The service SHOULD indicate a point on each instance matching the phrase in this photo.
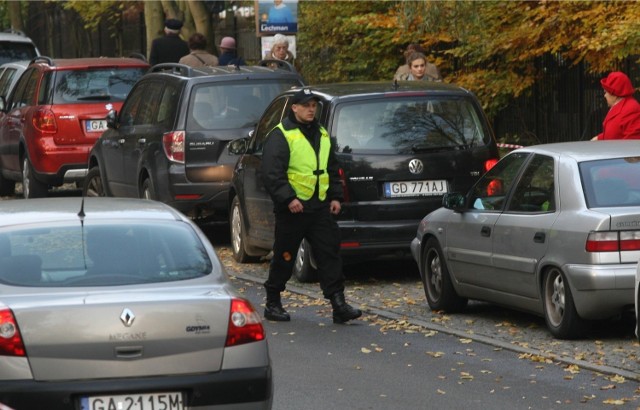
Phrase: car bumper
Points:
(250, 388)
(376, 238)
(602, 291)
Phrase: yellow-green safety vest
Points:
(303, 169)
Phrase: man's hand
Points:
(295, 206)
(335, 207)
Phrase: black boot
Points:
(274, 310)
(342, 311)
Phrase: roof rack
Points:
(139, 56)
(44, 59)
(14, 31)
(281, 64)
(175, 68)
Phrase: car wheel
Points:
(238, 236)
(31, 187)
(7, 187)
(303, 268)
(559, 310)
(93, 183)
(147, 191)
(437, 282)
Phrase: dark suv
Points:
(169, 141)
(53, 116)
(401, 147)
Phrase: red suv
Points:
(53, 116)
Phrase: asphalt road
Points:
(392, 292)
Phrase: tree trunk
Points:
(15, 15)
(154, 22)
(202, 21)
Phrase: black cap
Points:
(173, 24)
(303, 96)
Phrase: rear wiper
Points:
(95, 98)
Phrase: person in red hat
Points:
(623, 119)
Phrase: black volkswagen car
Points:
(401, 146)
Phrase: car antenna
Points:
(395, 84)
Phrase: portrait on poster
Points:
(276, 16)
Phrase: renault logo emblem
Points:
(415, 166)
(127, 317)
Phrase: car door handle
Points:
(539, 237)
(142, 141)
(121, 141)
(485, 231)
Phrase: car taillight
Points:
(245, 325)
(488, 164)
(343, 182)
(613, 241)
(45, 121)
(10, 339)
(173, 143)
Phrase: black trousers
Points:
(321, 230)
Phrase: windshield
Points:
(11, 51)
(226, 105)
(101, 255)
(108, 84)
(410, 124)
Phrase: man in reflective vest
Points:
(301, 175)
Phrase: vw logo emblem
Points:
(415, 166)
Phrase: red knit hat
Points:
(618, 84)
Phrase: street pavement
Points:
(392, 293)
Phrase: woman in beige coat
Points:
(199, 57)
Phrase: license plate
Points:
(96, 125)
(415, 188)
(150, 401)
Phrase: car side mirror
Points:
(239, 146)
(454, 201)
(112, 119)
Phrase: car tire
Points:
(147, 191)
(304, 269)
(559, 310)
(238, 235)
(436, 280)
(7, 186)
(93, 184)
(31, 187)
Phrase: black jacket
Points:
(168, 49)
(275, 162)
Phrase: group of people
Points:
(171, 48)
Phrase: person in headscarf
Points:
(623, 119)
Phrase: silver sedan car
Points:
(552, 229)
(121, 304)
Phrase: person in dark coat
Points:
(300, 172)
(623, 119)
(228, 53)
(170, 48)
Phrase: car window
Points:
(147, 109)
(230, 105)
(101, 255)
(132, 105)
(5, 80)
(611, 182)
(492, 188)
(105, 84)
(534, 191)
(25, 89)
(408, 124)
(13, 51)
(167, 111)
(272, 117)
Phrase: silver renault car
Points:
(112, 303)
(552, 229)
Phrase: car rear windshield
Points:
(409, 124)
(611, 182)
(231, 105)
(104, 84)
(101, 255)
(14, 51)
